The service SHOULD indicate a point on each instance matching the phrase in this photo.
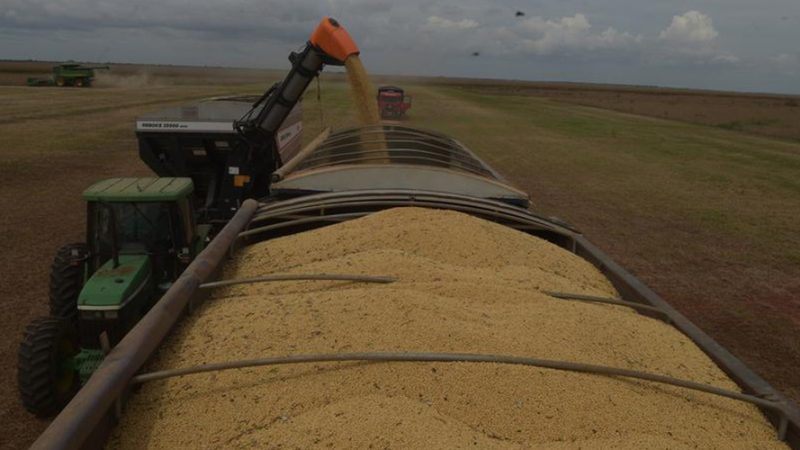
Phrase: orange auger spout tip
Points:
(333, 40)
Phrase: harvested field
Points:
(763, 114)
(704, 215)
(465, 285)
(15, 73)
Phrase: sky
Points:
(744, 45)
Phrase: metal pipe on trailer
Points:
(630, 288)
(82, 419)
(633, 290)
(80, 424)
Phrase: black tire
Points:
(60, 82)
(46, 377)
(66, 280)
(78, 82)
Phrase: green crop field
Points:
(705, 215)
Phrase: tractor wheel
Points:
(66, 280)
(78, 82)
(46, 376)
(60, 82)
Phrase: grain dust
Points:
(137, 80)
(465, 285)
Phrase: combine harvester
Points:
(65, 75)
(488, 325)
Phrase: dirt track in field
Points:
(738, 290)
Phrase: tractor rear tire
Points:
(66, 280)
(78, 82)
(60, 82)
(46, 376)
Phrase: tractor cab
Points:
(141, 216)
(141, 235)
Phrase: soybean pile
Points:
(464, 285)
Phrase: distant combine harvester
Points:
(76, 75)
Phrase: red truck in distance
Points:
(392, 102)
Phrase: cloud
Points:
(362, 6)
(572, 35)
(438, 23)
(784, 63)
(691, 28)
(690, 38)
(726, 58)
(554, 40)
(504, 36)
(271, 18)
(785, 60)
(437, 29)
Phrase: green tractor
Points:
(141, 234)
(68, 75)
